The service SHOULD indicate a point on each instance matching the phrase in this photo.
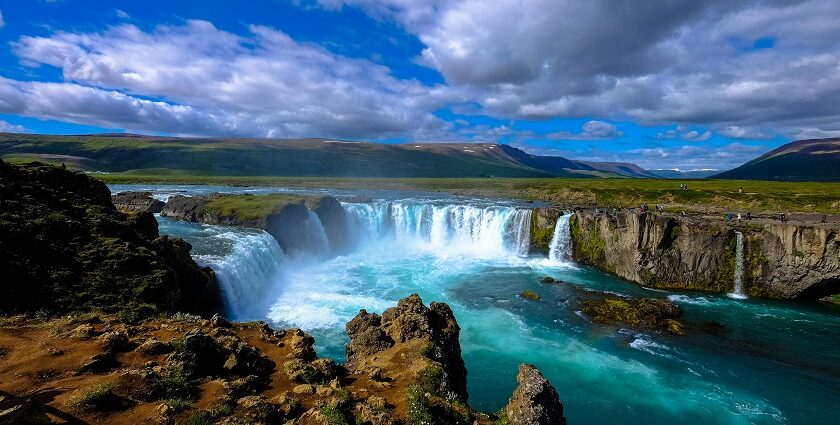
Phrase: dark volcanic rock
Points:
(187, 208)
(22, 412)
(535, 401)
(64, 247)
(137, 202)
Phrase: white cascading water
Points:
(561, 241)
(316, 236)
(444, 229)
(247, 272)
(739, 266)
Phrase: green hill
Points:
(803, 160)
(126, 153)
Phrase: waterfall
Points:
(561, 241)
(443, 229)
(739, 266)
(315, 236)
(247, 272)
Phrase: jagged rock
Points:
(534, 401)
(22, 412)
(204, 355)
(242, 387)
(116, 342)
(154, 347)
(136, 202)
(218, 321)
(259, 409)
(548, 279)
(411, 321)
(300, 345)
(65, 248)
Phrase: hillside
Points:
(802, 160)
(117, 153)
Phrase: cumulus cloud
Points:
(214, 82)
(657, 62)
(591, 130)
(6, 127)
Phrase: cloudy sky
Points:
(685, 84)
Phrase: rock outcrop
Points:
(542, 227)
(534, 401)
(64, 247)
(378, 344)
(645, 313)
(781, 260)
(137, 202)
(311, 224)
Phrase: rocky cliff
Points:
(403, 367)
(64, 247)
(542, 227)
(294, 221)
(780, 260)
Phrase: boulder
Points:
(641, 313)
(534, 401)
(137, 202)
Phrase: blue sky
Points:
(664, 84)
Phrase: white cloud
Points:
(656, 62)
(6, 127)
(215, 82)
(122, 14)
(591, 130)
(2, 21)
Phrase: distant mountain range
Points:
(299, 157)
(802, 160)
(683, 174)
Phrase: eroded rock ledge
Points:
(403, 367)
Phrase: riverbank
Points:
(702, 196)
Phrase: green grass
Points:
(97, 397)
(251, 207)
(703, 195)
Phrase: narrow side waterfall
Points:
(561, 241)
(444, 229)
(739, 266)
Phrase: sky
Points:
(681, 84)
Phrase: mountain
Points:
(680, 174)
(296, 157)
(802, 160)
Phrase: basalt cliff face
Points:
(64, 247)
(290, 220)
(780, 260)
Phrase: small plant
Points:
(224, 409)
(333, 416)
(178, 404)
(198, 419)
(430, 379)
(501, 417)
(97, 397)
(418, 407)
(173, 384)
(530, 295)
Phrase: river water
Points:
(743, 361)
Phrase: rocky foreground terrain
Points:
(404, 366)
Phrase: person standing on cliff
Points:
(739, 217)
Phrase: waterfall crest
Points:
(444, 229)
(561, 241)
